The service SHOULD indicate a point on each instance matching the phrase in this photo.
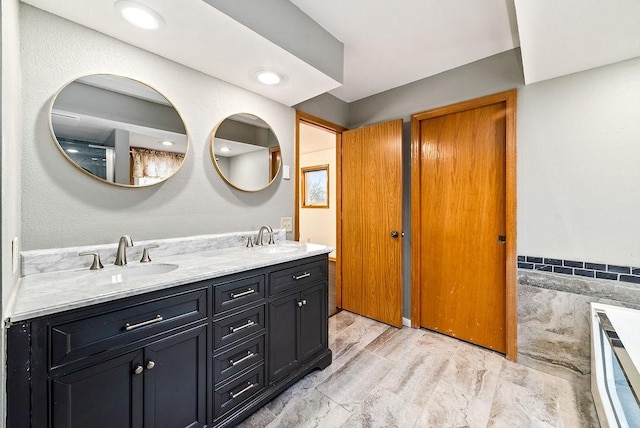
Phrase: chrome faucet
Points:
(121, 253)
(261, 232)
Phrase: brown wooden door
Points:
(462, 216)
(371, 211)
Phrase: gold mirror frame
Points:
(273, 151)
(145, 93)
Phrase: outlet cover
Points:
(286, 223)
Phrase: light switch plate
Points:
(285, 172)
(15, 254)
(286, 223)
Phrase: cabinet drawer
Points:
(73, 340)
(287, 279)
(237, 293)
(237, 392)
(233, 361)
(238, 326)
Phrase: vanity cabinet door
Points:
(175, 380)
(283, 336)
(313, 316)
(105, 395)
(297, 329)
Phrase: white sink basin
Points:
(278, 249)
(119, 275)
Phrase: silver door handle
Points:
(150, 365)
(138, 370)
(304, 275)
(244, 293)
(248, 324)
(245, 358)
(129, 327)
(242, 391)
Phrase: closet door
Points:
(372, 221)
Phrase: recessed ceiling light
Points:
(167, 143)
(225, 149)
(72, 151)
(138, 14)
(268, 77)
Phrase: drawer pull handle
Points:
(245, 358)
(244, 293)
(248, 324)
(304, 275)
(242, 391)
(129, 327)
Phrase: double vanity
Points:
(187, 340)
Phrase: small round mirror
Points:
(246, 152)
(118, 130)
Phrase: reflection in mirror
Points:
(118, 130)
(246, 152)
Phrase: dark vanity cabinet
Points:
(204, 354)
(298, 305)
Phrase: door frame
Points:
(308, 119)
(509, 98)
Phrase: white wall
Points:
(579, 166)
(62, 207)
(11, 140)
(10, 143)
(318, 225)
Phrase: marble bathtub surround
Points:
(432, 381)
(585, 269)
(57, 259)
(48, 293)
(554, 333)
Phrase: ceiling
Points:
(386, 44)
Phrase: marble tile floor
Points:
(387, 377)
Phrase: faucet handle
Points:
(96, 264)
(145, 254)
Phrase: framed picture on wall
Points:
(315, 186)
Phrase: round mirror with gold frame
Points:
(118, 130)
(246, 152)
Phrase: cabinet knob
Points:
(304, 301)
(150, 365)
(300, 304)
(138, 369)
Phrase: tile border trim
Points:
(628, 274)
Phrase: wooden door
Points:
(371, 227)
(463, 223)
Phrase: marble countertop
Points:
(49, 293)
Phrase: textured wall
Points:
(578, 175)
(62, 207)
